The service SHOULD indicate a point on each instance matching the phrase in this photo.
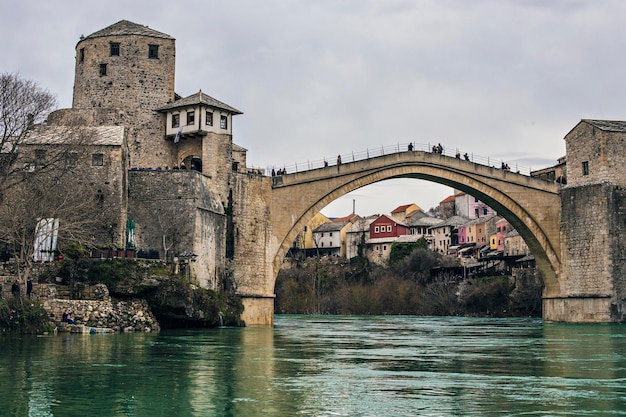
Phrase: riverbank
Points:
(333, 285)
(121, 295)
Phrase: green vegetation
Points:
(335, 286)
(23, 316)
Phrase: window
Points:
(97, 159)
(376, 229)
(485, 211)
(331, 234)
(99, 197)
(209, 118)
(153, 51)
(40, 156)
(191, 117)
(175, 120)
(585, 167)
(115, 49)
(384, 247)
(103, 70)
(72, 159)
(389, 228)
(81, 55)
(224, 122)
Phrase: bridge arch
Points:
(531, 205)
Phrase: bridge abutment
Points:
(578, 309)
(593, 222)
(258, 310)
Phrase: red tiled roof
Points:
(402, 208)
(344, 219)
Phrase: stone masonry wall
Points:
(252, 269)
(586, 224)
(134, 86)
(119, 316)
(181, 207)
(604, 152)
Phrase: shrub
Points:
(23, 317)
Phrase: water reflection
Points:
(321, 366)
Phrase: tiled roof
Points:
(345, 218)
(393, 220)
(59, 135)
(425, 221)
(125, 27)
(237, 148)
(400, 209)
(447, 199)
(329, 227)
(608, 125)
(453, 221)
(199, 98)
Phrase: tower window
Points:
(209, 118)
(585, 167)
(97, 159)
(40, 157)
(103, 70)
(115, 49)
(191, 117)
(153, 51)
(224, 122)
(81, 55)
(175, 120)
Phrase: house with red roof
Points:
(402, 212)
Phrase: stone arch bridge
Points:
(531, 205)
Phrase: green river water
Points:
(323, 366)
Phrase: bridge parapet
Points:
(401, 148)
(412, 157)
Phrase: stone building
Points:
(161, 160)
(593, 209)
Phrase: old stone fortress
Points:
(159, 158)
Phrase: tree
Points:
(23, 103)
(69, 204)
(46, 193)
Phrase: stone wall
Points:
(180, 207)
(119, 316)
(602, 148)
(592, 224)
(134, 87)
(252, 263)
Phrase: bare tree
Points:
(166, 221)
(46, 191)
(31, 205)
(23, 103)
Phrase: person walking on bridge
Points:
(338, 160)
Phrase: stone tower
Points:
(593, 223)
(123, 73)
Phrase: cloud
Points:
(503, 79)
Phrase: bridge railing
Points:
(397, 148)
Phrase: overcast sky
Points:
(315, 78)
